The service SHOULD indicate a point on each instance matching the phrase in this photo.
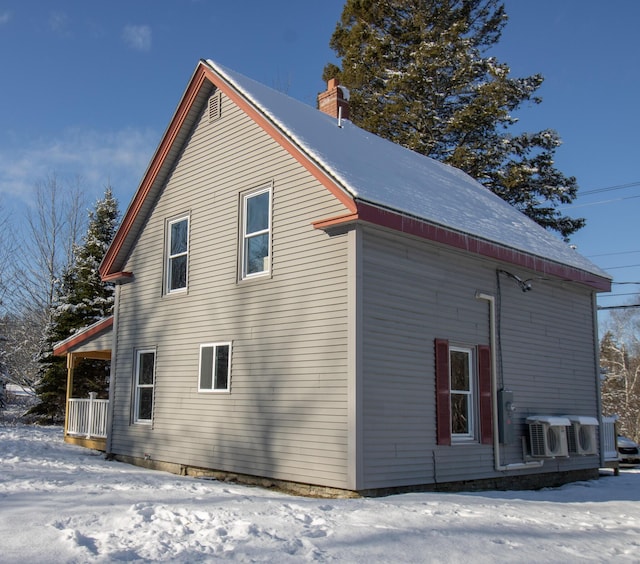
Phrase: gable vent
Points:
(214, 108)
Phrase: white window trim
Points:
(244, 237)
(136, 398)
(169, 256)
(471, 395)
(213, 390)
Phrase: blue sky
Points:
(88, 89)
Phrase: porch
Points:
(609, 446)
(85, 418)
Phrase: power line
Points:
(610, 188)
(615, 267)
(598, 203)
(612, 254)
(619, 307)
(616, 295)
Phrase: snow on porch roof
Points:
(382, 173)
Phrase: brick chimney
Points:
(333, 98)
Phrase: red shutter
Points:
(484, 385)
(443, 395)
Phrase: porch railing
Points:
(609, 449)
(88, 417)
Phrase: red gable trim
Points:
(334, 221)
(202, 73)
(118, 277)
(420, 228)
(152, 172)
(65, 346)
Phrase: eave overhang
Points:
(118, 277)
(396, 221)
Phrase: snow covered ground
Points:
(63, 503)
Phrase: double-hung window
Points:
(144, 383)
(256, 233)
(462, 377)
(177, 255)
(215, 367)
(463, 393)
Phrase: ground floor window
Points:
(462, 376)
(144, 384)
(463, 393)
(215, 367)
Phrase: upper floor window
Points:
(177, 253)
(256, 233)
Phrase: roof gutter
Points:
(397, 221)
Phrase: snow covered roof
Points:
(376, 171)
(378, 182)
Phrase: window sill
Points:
(464, 441)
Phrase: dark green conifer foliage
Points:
(419, 75)
(82, 300)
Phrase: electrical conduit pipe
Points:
(494, 392)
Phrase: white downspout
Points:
(494, 392)
(112, 369)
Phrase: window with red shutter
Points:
(485, 394)
(463, 393)
(443, 396)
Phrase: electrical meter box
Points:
(506, 413)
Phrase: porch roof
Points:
(85, 336)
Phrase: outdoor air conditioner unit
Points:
(548, 436)
(582, 435)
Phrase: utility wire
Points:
(615, 267)
(610, 188)
(612, 254)
(598, 203)
(600, 191)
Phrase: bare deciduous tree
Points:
(53, 226)
(5, 254)
(620, 358)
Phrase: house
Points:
(303, 302)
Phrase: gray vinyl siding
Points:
(286, 415)
(100, 342)
(414, 292)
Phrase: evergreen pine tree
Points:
(419, 74)
(82, 299)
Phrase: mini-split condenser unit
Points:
(582, 434)
(548, 436)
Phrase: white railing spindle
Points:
(88, 417)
